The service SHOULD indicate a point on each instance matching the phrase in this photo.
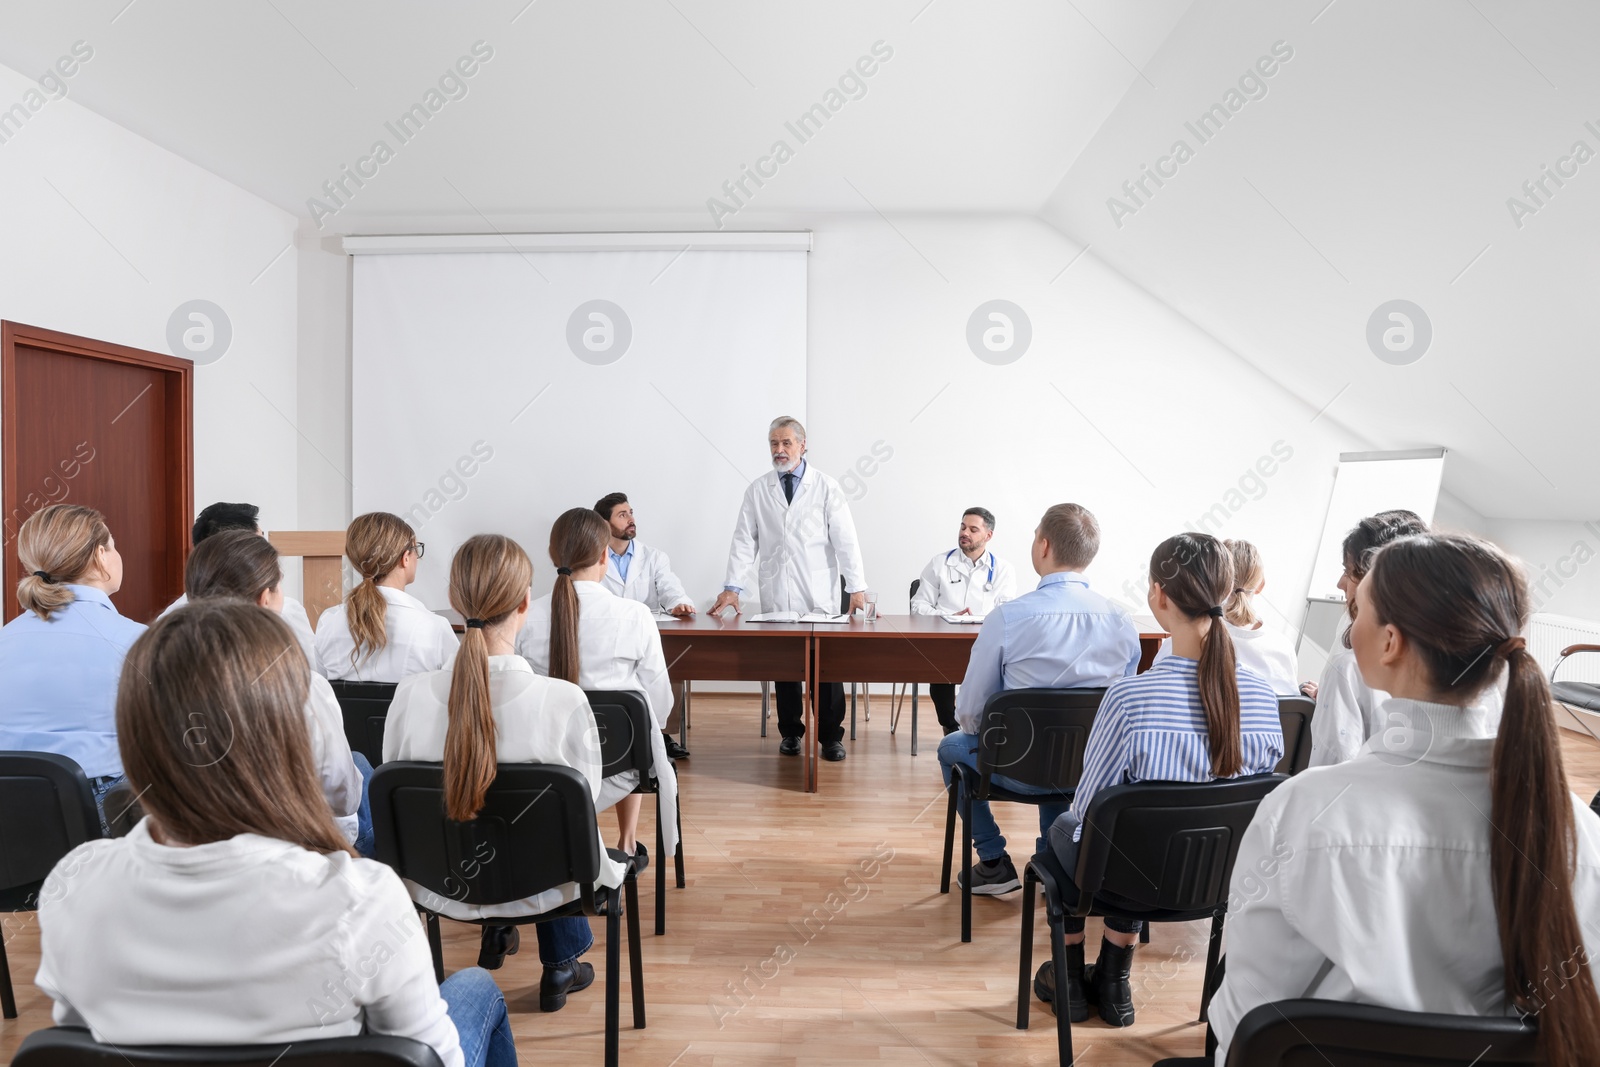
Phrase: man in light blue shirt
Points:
(1060, 636)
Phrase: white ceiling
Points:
(1376, 167)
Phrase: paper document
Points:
(795, 616)
(661, 616)
(964, 620)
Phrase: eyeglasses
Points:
(419, 548)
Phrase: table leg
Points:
(814, 648)
(913, 720)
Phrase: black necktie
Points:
(788, 486)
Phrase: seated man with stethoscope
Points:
(967, 580)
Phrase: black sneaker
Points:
(994, 878)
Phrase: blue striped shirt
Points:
(1152, 728)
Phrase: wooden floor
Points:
(812, 929)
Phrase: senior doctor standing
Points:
(794, 526)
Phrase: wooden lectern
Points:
(323, 581)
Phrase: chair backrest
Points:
(365, 706)
(74, 1047)
(916, 583)
(1295, 714)
(1036, 736)
(536, 832)
(46, 810)
(1320, 1033)
(625, 725)
(1167, 845)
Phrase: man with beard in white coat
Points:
(638, 572)
(795, 528)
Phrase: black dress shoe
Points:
(559, 981)
(674, 750)
(833, 753)
(789, 746)
(497, 943)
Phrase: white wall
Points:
(107, 234)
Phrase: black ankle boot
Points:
(496, 943)
(1108, 986)
(1044, 985)
(557, 982)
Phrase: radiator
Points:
(1548, 634)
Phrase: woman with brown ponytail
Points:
(381, 633)
(585, 634)
(1194, 717)
(490, 708)
(1445, 868)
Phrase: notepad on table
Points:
(795, 616)
(964, 620)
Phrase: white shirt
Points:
(1347, 710)
(537, 720)
(1369, 882)
(619, 649)
(1262, 651)
(330, 751)
(952, 583)
(419, 641)
(650, 580)
(293, 612)
(799, 549)
(241, 942)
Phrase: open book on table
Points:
(795, 616)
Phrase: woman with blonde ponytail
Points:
(381, 633)
(585, 634)
(489, 708)
(60, 659)
(1446, 867)
(1196, 716)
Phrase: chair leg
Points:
(613, 980)
(1058, 957)
(966, 866)
(436, 947)
(661, 872)
(8, 997)
(1025, 954)
(1212, 952)
(763, 709)
(1144, 934)
(635, 955)
(894, 707)
(866, 701)
(949, 834)
(683, 714)
(677, 856)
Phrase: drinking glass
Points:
(872, 607)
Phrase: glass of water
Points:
(872, 607)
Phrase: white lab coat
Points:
(952, 583)
(1368, 882)
(418, 641)
(330, 751)
(619, 649)
(294, 613)
(799, 549)
(650, 580)
(1263, 651)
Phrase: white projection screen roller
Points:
(1367, 483)
(492, 391)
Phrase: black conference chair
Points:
(1152, 851)
(71, 1046)
(1295, 714)
(46, 810)
(502, 856)
(1584, 696)
(1032, 736)
(625, 725)
(1329, 1033)
(365, 706)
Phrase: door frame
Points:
(180, 393)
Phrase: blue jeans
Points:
(100, 787)
(563, 940)
(364, 842)
(987, 840)
(478, 1009)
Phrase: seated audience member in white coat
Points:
(1447, 868)
(635, 571)
(221, 516)
(240, 915)
(1256, 646)
(381, 633)
(967, 580)
(490, 708)
(245, 567)
(583, 634)
(1348, 710)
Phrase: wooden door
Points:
(107, 426)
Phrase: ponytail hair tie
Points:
(45, 577)
(564, 570)
(1215, 612)
(474, 624)
(1511, 644)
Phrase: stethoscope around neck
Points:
(988, 586)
